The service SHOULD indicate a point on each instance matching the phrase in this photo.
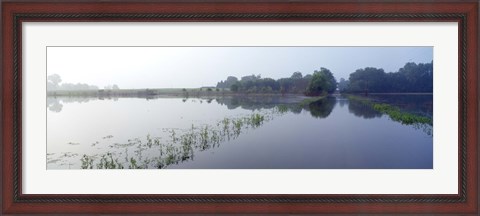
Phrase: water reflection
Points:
(257, 102)
(183, 143)
(179, 145)
(342, 101)
(55, 104)
(231, 102)
(421, 104)
(322, 108)
(363, 110)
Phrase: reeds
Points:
(394, 113)
(181, 144)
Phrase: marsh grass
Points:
(282, 108)
(87, 162)
(108, 162)
(396, 114)
(403, 117)
(181, 145)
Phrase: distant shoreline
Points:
(190, 92)
(164, 92)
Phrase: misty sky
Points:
(190, 67)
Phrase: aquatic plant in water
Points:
(282, 108)
(108, 162)
(87, 162)
(402, 117)
(181, 144)
(417, 121)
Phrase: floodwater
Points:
(235, 133)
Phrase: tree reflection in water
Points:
(363, 110)
(322, 108)
(181, 144)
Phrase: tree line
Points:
(410, 78)
(54, 83)
(321, 82)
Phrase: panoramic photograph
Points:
(239, 107)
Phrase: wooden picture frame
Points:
(14, 13)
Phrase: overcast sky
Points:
(189, 67)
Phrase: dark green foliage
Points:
(235, 87)
(322, 82)
(367, 80)
(227, 83)
(411, 78)
(296, 84)
(297, 75)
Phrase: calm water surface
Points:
(235, 132)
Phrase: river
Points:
(233, 132)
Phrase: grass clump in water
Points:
(402, 117)
(133, 164)
(107, 162)
(87, 162)
(282, 108)
(257, 119)
(394, 112)
(180, 146)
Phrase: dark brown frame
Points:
(16, 12)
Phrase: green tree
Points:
(368, 79)
(234, 87)
(53, 82)
(55, 79)
(297, 75)
(227, 83)
(343, 85)
(322, 82)
(410, 78)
